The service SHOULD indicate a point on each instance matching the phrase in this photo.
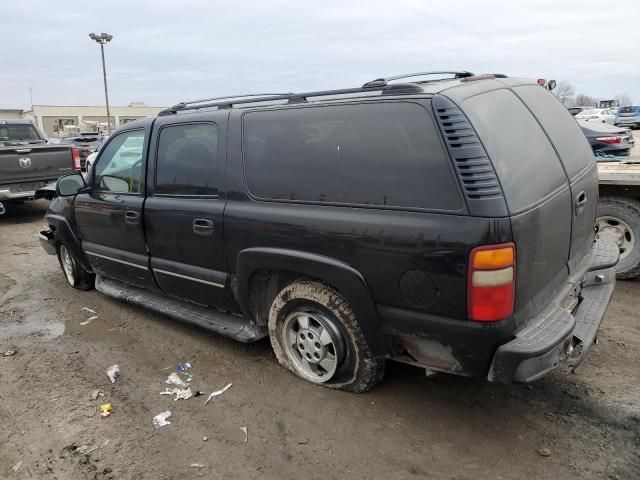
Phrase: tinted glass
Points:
(373, 154)
(525, 161)
(188, 160)
(120, 168)
(564, 131)
(629, 109)
(18, 132)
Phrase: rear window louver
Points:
(475, 171)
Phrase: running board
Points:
(236, 327)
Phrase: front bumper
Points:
(47, 241)
(558, 336)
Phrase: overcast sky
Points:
(166, 51)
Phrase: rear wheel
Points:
(76, 276)
(314, 334)
(620, 218)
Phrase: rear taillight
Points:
(609, 140)
(491, 282)
(75, 159)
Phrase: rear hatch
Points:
(628, 114)
(549, 178)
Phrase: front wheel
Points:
(76, 276)
(620, 217)
(314, 334)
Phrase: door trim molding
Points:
(116, 260)
(186, 277)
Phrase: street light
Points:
(103, 39)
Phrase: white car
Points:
(600, 115)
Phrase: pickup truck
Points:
(28, 161)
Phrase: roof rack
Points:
(381, 82)
(229, 101)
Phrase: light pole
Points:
(103, 39)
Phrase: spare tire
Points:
(620, 217)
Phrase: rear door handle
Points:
(131, 218)
(581, 201)
(203, 227)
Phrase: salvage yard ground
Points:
(585, 425)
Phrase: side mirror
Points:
(70, 185)
(551, 84)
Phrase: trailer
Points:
(619, 212)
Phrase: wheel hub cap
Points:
(618, 230)
(313, 344)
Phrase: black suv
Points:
(444, 223)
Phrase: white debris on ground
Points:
(218, 392)
(246, 434)
(160, 420)
(89, 320)
(112, 372)
(174, 379)
(180, 394)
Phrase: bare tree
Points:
(583, 100)
(565, 93)
(623, 99)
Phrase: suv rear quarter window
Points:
(525, 161)
(382, 154)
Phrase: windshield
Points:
(81, 140)
(18, 132)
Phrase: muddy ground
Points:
(585, 425)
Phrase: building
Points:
(10, 113)
(59, 120)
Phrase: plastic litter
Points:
(88, 310)
(105, 410)
(17, 466)
(89, 320)
(8, 353)
(174, 379)
(197, 465)
(218, 392)
(160, 420)
(246, 434)
(112, 372)
(180, 394)
(183, 367)
(204, 439)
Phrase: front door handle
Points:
(581, 201)
(131, 218)
(203, 227)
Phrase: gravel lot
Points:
(585, 425)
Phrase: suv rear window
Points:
(386, 154)
(564, 131)
(525, 161)
(628, 109)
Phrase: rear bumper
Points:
(20, 191)
(9, 195)
(558, 337)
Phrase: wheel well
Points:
(264, 285)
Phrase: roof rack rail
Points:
(229, 101)
(381, 82)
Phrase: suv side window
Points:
(187, 160)
(120, 168)
(383, 154)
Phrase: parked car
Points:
(607, 140)
(599, 115)
(28, 162)
(628, 117)
(576, 110)
(406, 221)
(86, 143)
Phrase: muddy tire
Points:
(621, 217)
(314, 334)
(75, 275)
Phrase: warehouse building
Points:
(59, 120)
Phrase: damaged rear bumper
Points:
(559, 337)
